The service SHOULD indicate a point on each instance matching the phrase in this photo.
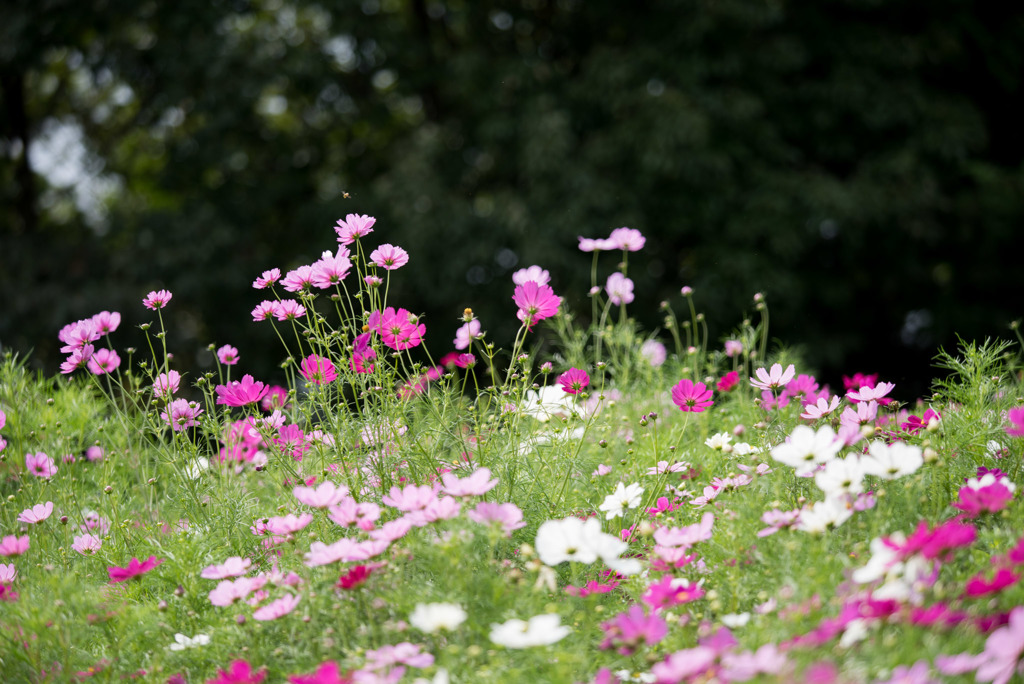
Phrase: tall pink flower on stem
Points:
(227, 355)
(627, 239)
(104, 361)
(40, 465)
(248, 391)
(318, 370)
(619, 289)
(36, 514)
(332, 268)
(267, 279)
(157, 299)
(166, 384)
(181, 414)
(389, 257)
(134, 568)
(289, 310)
(775, 379)
(574, 380)
(399, 329)
(277, 608)
(535, 302)
(465, 335)
(106, 322)
(354, 226)
(691, 397)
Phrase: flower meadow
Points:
(583, 503)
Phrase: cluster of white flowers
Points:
(572, 539)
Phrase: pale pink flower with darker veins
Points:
(40, 465)
(267, 279)
(324, 495)
(348, 512)
(265, 310)
(389, 257)
(104, 361)
(821, 408)
(13, 546)
(166, 384)
(534, 273)
(298, 279)
(870, 393)
(181, 414)
(77, 359)
(78, 335)
(627, 239)
(157, 299)
(227, 355)
(36, 514)
(8, 573)
(865, 412)
(289, 310)
(332, 268)
(508, 515)
(106, 322)
(354, 226)
(86, 544)
(774, 379)
(619, 289)
(278, 608)
(478, 483)
(410, 498)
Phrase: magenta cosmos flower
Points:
(134, 569)
(536, 302)
(40, 465)
(157, 299)
(389, 257)
(318, 370)
(691, 397)
(1016, 417)
(248, 391)
(239, 672)
(399, 329)
(574, 380)
(181, 414)
(104, 361)
(227, 355)
(353, 227)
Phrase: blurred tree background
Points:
(858, 161)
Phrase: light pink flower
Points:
(534, 273)
(104, 361)
(106, 322)
(157, 299)
(267, 279)
(654, 351)
(318, 370)
(298, 279)
(37, 513)
(353, 227)
(392, 530)
(13, 546)
(227, 355)
(465, 335)
(1003, 651)
(331, 269)
(476, 484)
(870, 393)
(508, 515)
(232, 567)
(265, 310)
(619, 289)
(288, 524)
(686, 536)
(628, 239)
(8, 573)
(596, 244)
(733, 347)
(326, 494)
(166, 384)
(349, 512)
(389, 257)
(821, 408)
(40, 465)
(78, 358)
(3, 419)
(278, 608)
(774, 379)
(289, 310)
(410, 498)
(86, 544)
(404, 653)
(227, 591)
(181, 414)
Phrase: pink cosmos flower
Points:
(508, 515)
(241, 393)
(389, 257)
(1016, 418)
(133, 569)
(181, 414)
(166, 384)
(399, 330)
(298, 279)
(157, 299)
(277, 398)
(980, 585)
(373, 281)
(103, 361)
(574, 380)
(685, 536)
(478, 483)
(94, 453)
(870, 393)
(318, 370)
(534, 273)
(410, 498)
(349, 512)
(619, 289)
(465, 335)
(86, 544)
(733, 347)
(288, 524)
(3, 419)
(356, 576)
(278, 608)
(1003, 651)
(691, 397)
(327, 673)
(227, 355)
(596, 244)
(40, 465)
(728, 382)
(289, 310)
(36, 514)
(228, 591)
(535, 302)
(326, 494)
(267, 279)
(802, 388)
(354, 227)
(8, 573)
(234, 566)
(986, 495)
(822, 407)
(671, 591)
(106, 322)
(331, 269)
(77, 359)
(774, 379)
(13, 546)
(265, 310)
(654, 351)
(239, 672)
(627, 632)
(627, 239)
(404, 653)
(778, 520)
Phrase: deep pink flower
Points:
(399, 329)
(157, 299)
(619, 289)
(934, 543)
(327, 673)
(181, 414)
(670, 591)
(298, 279)
(389, 257)
(628, 239)
(979, 585)
(37, 513)
(77, 359)
(728, 381)
(363, 354)
(3, 419)
(265, 310)
(106, 322)
(535, 302)
(1016, 418)
(166, 384)
(227, 355)
(241, 393)
(133, 569)
(267, 279)
(628, 631)
(40, 465)
(353, 227)
(802, 388)
(691, 397)
(332, 268)
(12, 545)
(318, 370)
(991, 496)
(915, 424)
(574, 380)
(239, 672)
(289, 310)
(104, 361)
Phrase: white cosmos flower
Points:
(824, 515)
(546, 403)
(806, 448)
(181, 642)
(718, 441)
(572, 539)
(196, 468)
(622, 498)
(841, 476)
(431, 617)
(890, 461)
(540, 630)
